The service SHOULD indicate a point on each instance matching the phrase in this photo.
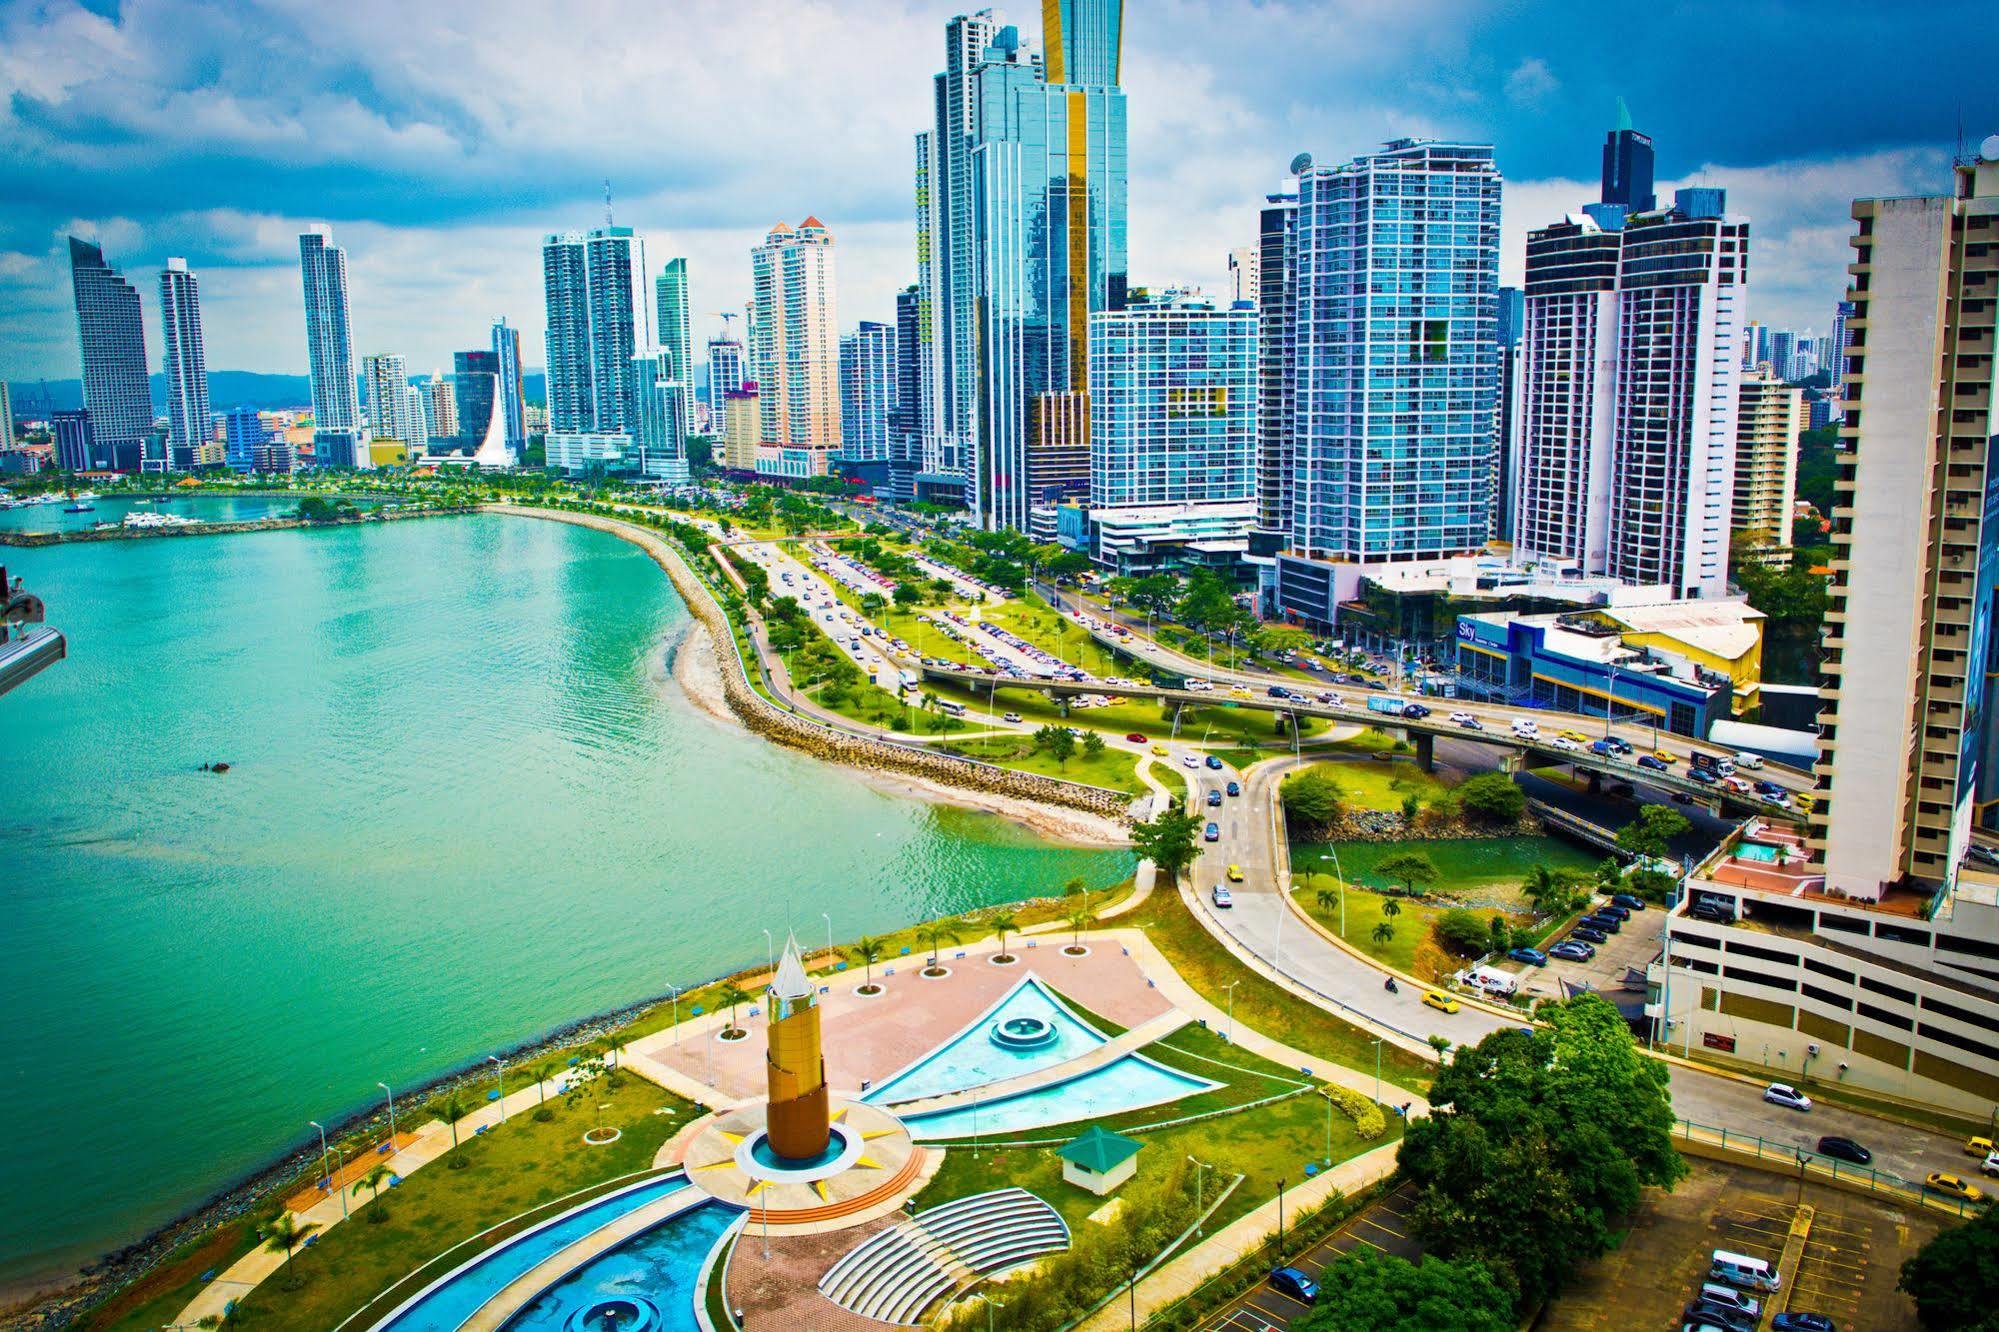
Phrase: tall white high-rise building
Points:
(417, 404)
(868, 374)
(388, 383)
(598, 318)
(663, 405)
(1246, 273)
(184, 365)
(1631, 371)
(329, 346)
(794, 346)
(728, 369)
(442, 416)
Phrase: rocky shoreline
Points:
(121, 533)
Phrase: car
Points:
(1213, 833)
(1802, 1321)
(1778, 1093)
(1134, 738)
(1702, 1326)
(1563, 742)
(1990, 1165)
(1572, 950)
(1443, 1003)
(1979, 1147)
(1576, 736)
(1533, 957)
(1278, 691)
(1189, 761)
(1608, 924)
(1223, 897)
(1705, 776)
(1617, 746)
(1469, 722)
(1628, 902)
(1844, 1149)
(1707, 1311)
(1952, 1186)
(1159, 751)
(1772, 791)
(1589, 934)
(1668, 759)
(1617, 911)
(1415, 711)
(1290, 1281)
(1234, 788)
(1214, 763)
(1214, 797)
(1710, 913)
(1983, 854)
(1235, 874)
(1010, 716)
(1650, 763)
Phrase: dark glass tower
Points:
(1627, 166)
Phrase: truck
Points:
(1383, 704)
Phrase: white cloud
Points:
(1532, 82)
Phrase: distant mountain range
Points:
(226, 389)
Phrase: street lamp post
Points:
(770, 951)
(1280, 1218)
(1199, 1166)
(325, 1163)
(1328, 1094)
(1230, 987)
(390, 1097)
(674, 992)
(500, 1082)
(827, 916)
(1377, 1070)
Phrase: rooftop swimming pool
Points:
(650, 1283)
(1131, 1082)
(1757, 851)
(1029, 1029)
(450, 1300)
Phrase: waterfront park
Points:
(1087, 1108)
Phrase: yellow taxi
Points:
(1951, 1186)
(1978, 1147)
(1159, 750)
(1665, 758)
(1576, 736)
(1443, 1003)
(1235, 874)
(1240, 693)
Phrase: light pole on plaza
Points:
(827, 916)
(390, 1097)
(500, 1080)
(770, 951)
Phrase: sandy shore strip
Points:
(699, 674)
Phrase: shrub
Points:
(1369, 1122)
(1462, 932)
(1493, 797)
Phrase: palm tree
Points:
(1327, 899)
(868, 950)
(732, 994)
(377, 1175)
(539, 1072)
(286, 1232)
(1002, 924)
(451, 1111)
(937, 933)
(1390, 907)
(1383, 932)
(1079, 915)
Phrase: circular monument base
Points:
(870, 1160)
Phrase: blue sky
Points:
(441, 141)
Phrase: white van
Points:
(1499, 984)
(1739, 1269)
(1525, 726)
(1748, 760)
(1729, 1297)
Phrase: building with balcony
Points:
(1769, 417)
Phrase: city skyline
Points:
(1212, 122)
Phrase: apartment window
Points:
(1892, 991)
(1979, 1048)
(1886, 1018)
(1952, 943)
(1844, 924)
(1760, 978)
(1842, 1002)
(1767, 954)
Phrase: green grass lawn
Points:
(1261, 1004)
(1384, 784)
(1475, 866)
(521, 1165)
(1034, 620)
(1409, 948)
(1114, 768)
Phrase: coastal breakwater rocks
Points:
(765, 718)
(193, 529)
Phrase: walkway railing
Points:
(1813, 1164)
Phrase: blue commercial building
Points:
(75, 442)
(1396, 297)
(111, 335)
(242, 432)
(1579, 662)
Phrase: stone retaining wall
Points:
(775, 723)
(197, 529)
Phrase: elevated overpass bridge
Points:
(1495, 731)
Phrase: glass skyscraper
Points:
(868, 387)
(190, 430)
(1627, 166)
(475, 379)
(513, 401)
(1396, 271)
(597, 320)
(329, 346)
(111, 334)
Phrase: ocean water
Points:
(466, 804)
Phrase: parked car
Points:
(1628, 901)
(1651, 763)
(1533, 957)
(1990, 1165)
(1213, 833)
(1443, 1003)
(1778, 1093)
(1952, 1186)
(1802, 1321)
(1710, 913)
(1290, 1281)
(1983, 854)
(1572, 950)
(1223, 897)
(1617, 911)
(1844, 1149)
(1719, 1315)
(1214, 763)
(1589, 934)
(1608, 924)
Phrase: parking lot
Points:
(1632, 947)
(1380, 1227)
(1852, 1256)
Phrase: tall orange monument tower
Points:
(799, 1118)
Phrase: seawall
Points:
(201, 529)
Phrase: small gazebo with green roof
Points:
(1099, 1160)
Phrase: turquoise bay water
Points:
(207, 508)
(466, 805)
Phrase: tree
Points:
(1550, 890)
(1168, 841)
(1651, 832)
(1390, 908)
(1074, 885)
(906, 595)
(378, 1174)
(1067, 566)
(1537, 1144)
(1059, 741)
(1002, 924)
(937, 933)
(1409, 868)
(539, 1071)
(1492, 797)
(732, 995)
(1276, 638)
(1312, 799)
(1093, 746)
(1462, 932)
(867, 950)
(1368, 1291)
(452, 1109)
(1382, 932)
(1651, 884)
(1328, 898)
(285, 1232)
(1954, 1279)
(1076, 918)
